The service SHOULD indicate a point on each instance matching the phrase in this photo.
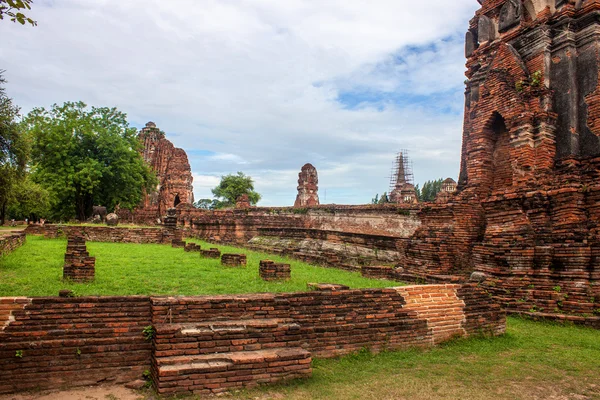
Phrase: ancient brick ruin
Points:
(233, 260)
(308, 188)
(11, 241)
(173, 172)
(272, 271)
(402, 189)
(213, 252)
(192, 247)
(449, 186)
(208, 344)
(527, 206)
(79, 266)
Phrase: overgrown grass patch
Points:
(35, 269)
(533, 360)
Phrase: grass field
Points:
(35, 269)
(533, 360)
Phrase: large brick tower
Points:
(527, 209)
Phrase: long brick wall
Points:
(10, 242)
(61, 342)
(104, 233)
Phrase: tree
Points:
(28, 200)
(429, 191)
(87, 157)
(383, 199)
(207, 204)
(232, 187)
(12, 9)
(375, 199)
(14, 149)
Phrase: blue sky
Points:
(262, 86)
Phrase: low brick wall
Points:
(272, 271)
(104, 233)
(55, 342)
(61, 342)
(10, 242)
(233, 260)
(343, 321)
(378, 272)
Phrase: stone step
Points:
(225, 336)
(214, 373)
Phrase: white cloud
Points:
(257, 82)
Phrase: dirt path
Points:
(85, 393)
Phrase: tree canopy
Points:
(86, 157)
(231, 187)
(13, 8)
(429, 191)
(14, 148)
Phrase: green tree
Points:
(232, 187)
(429, 191)
(13, 8)
(207, 204)
(14, 149)
(383, 199)
(28, 200)
(87, 156)
(375, 199)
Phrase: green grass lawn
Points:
(35, 269)
(533, 360)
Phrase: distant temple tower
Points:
(308, 181)
(172, 170)
(402, 189)
(448, 187)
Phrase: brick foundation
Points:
(272, 271)
(79, 266)
(201, 344)
(378, 272)
(233, 260)
(192, 247)
(10, 242)
(211, 253)
(105, 233)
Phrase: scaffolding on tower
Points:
(401, 172)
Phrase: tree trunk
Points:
(2, 212)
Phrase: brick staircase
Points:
(215, 356)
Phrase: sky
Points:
(261, 86)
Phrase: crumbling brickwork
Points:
(79, 266)
(272, 271)
(233, 260)
(308, 181)
(213, 343)
(174, 175)
(11, 241)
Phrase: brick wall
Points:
(339, 322)
(60, 342)
(11, 242)
(104, 233)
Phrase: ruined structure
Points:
(526, 212)
(79, 266)
(530, 158)
(308, 181)
(172, 170)
(448, 187)
(402, 189)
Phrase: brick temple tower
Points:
(402, 189)
(308, 189)
(172, 169)
(530, 164)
